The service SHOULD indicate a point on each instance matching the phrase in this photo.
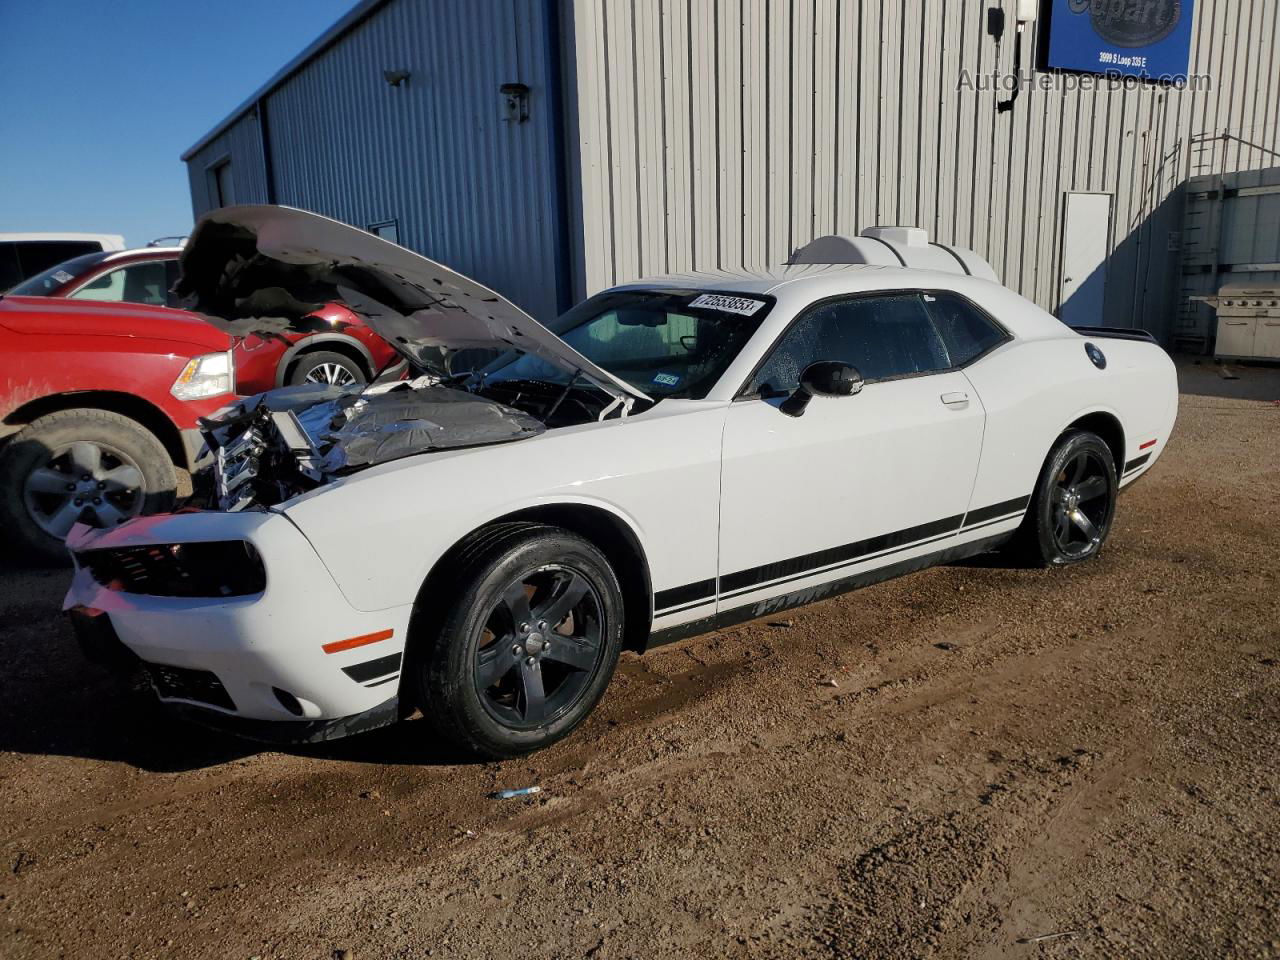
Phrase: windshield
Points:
(48, 282)
(663, 343)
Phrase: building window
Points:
(386, 229)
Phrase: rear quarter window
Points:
(966, 331)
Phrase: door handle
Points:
(955, 399)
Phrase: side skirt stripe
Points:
(684, 596)
(693, 595)
(992, 523)
(763, 608)
(690, 606)
(982, 515)
(814, 573)
(836, 555)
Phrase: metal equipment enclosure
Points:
(1232, 243)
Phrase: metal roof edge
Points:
(349, 21)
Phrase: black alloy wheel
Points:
(541, 645)
(515, 648)
(1074, 503)
(1081, 505)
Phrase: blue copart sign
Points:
(1140, 38)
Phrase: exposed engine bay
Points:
(272, 447)
(276, 445)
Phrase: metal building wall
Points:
(466, 187)
(241, 146)
(725, 133)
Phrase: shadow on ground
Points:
(54, 701)
(1206, 377)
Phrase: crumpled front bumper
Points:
(240, 661)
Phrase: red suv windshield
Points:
(48, 282)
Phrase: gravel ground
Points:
(1007, 755)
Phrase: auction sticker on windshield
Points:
(715, 301)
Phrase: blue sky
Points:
(100, 99)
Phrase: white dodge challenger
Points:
(480, 534)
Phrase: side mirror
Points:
(826, 378)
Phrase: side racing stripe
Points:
(680, 596)
(833, 555)
(680, 599)
(982, 515)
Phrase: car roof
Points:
(796, 286)
(764, 281)
(850, 277)
(143, 253)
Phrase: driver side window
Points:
(883, 337)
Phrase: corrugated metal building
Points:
(668, 135)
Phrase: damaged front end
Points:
(270, 448)
(266, 270)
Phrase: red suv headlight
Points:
(211, 375)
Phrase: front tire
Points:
(79, 466)
(527, 643)
(1074, 503)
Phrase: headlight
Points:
(220, 568)
(209, 376)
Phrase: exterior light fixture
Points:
(515, 102)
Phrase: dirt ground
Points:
(1009, 754)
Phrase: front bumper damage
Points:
(254, 665)
(100, 644)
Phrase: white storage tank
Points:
(895, 247)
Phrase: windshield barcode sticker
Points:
(715, 301)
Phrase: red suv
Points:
(341, 351)
(98, 405)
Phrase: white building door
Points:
(1084, 258)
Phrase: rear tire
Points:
(525, 645)
(327, 367)
(43, 471)
(1074, 503)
